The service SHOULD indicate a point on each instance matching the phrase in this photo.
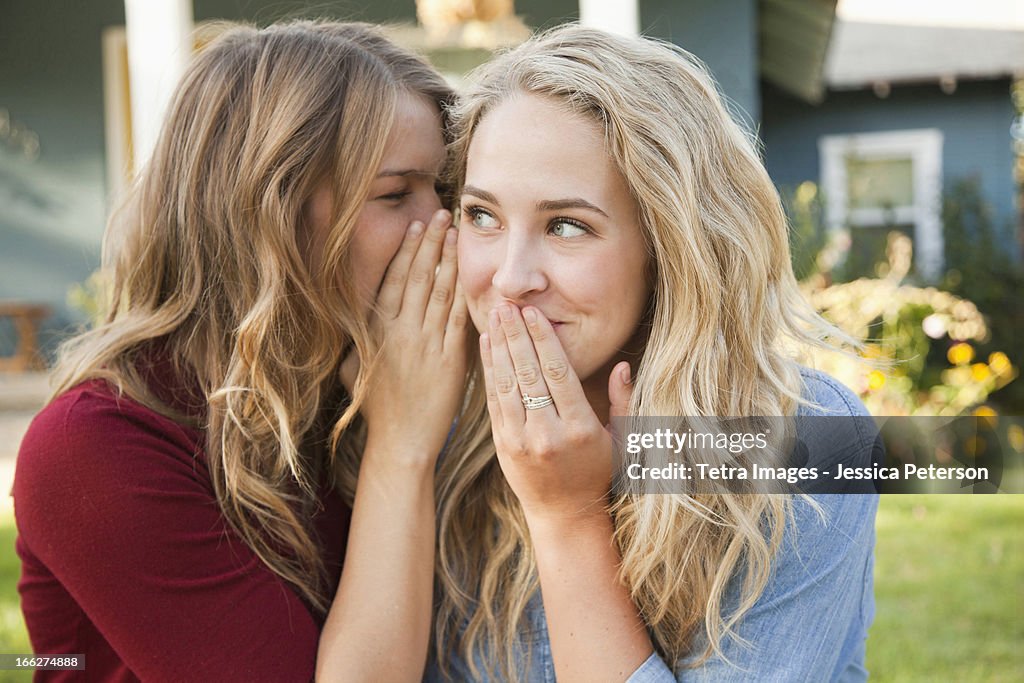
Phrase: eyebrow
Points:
(544, 205)
(407, 172)
(572, 203)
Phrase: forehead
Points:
(415, 140)
(535, 138)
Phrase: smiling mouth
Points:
(555, 324)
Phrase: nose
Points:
(521, 271)
(428, 206)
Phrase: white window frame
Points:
(924, 148)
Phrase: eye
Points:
(482, 218)
(394, 196)
(568, 228)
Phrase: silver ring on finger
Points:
(537, 402)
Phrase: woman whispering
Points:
(284, 298)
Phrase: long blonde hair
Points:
(725, 302)
(209, 273)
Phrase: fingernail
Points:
(452, 236)
(485, 341)
(530, 315)
(493, 319)
(443, 216)
(626, 379)
(415, 229)
(505, 311)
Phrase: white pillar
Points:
(614, 16)
(159, 47)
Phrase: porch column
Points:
(159, 34)
(614, 16)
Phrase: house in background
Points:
(906, 110)
(777, 61)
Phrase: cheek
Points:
(376, 240)
(476, 270)
(614, 289)
(632, 289)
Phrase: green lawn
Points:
(949, 586)
(13, 638)
(949, 589)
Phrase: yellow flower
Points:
(960, 353)
(1015, 435)
(876, 380)
(987, 417)
(999, 363)
(980, 372)
(975, 446)
(872, 351)
(806, 192)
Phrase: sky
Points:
(997, 14)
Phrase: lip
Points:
(555, 323)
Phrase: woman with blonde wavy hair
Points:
(624, 252)
(284, 297)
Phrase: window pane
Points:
(867, 250)
(879, 183)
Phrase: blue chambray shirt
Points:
(811, 622)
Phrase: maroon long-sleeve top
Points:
(127, 559)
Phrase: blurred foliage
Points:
(835, 254)
(930, 351)
(807, 234)
(93, 297)
(17, 139)
(980, 268)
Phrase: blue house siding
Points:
(52, 209)
(974, 120)
(722, 34)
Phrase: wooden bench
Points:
(26, 318)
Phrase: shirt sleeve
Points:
(118, 507)
(812, 619)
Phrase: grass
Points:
(949, 588)
(13, 637)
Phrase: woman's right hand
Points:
(417, 380)
(415, 387)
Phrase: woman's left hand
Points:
(557, 458)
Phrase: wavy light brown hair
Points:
(725, 309)
(210, 274)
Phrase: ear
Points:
(620, 390)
